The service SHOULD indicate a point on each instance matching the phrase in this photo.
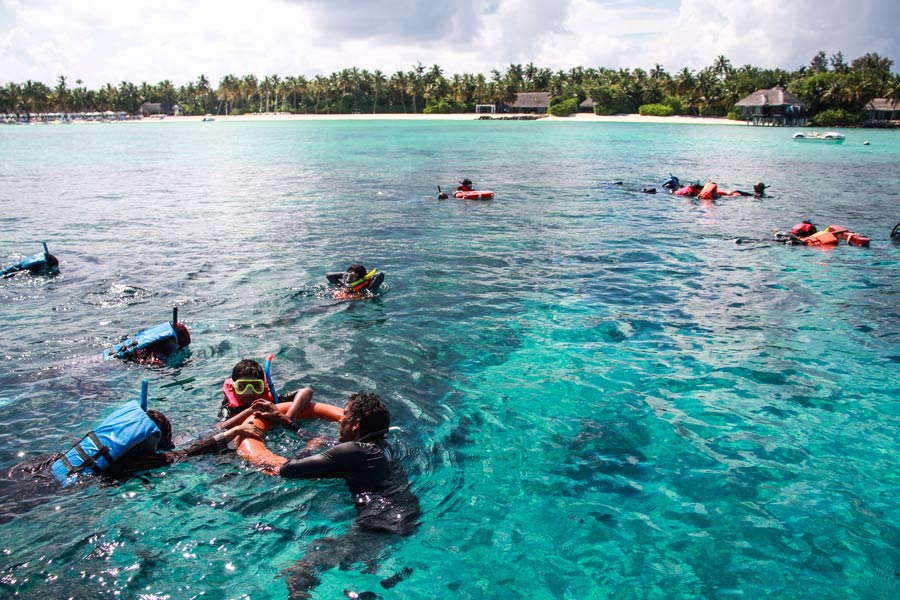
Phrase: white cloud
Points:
(100, 41)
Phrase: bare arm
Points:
(264, 409)
(236, 419)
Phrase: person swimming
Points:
(42, 263)
(154, 345)
(356, 282)
(465, 185)
(129, 441)
(386, 507)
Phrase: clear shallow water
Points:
(601, 394)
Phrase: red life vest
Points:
(803, 229)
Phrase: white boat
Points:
(830, 137)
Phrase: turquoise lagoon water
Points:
(601, 394)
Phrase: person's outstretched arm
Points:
(236, 419)
(218, 442)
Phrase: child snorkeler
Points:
(246, 392)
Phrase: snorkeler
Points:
(129, 441)
(356, 282)
(42, 263)
(152, 346)
(248, 386)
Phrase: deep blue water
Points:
(601, 394)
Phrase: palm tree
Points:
(204, 90)
(378, 83)
(722, 67)
(62, 93)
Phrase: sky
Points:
(101, 41)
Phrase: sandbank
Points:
(579, 118)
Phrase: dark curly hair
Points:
(369, 411)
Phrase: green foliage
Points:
(830, 84)
(675, 103)
(610, 99)
(735, 115)
(444, 106)
(838, 117)
(655, 110)
(564, 108)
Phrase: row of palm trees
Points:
(711, 91)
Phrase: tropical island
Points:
(826, 92)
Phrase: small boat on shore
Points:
(829, 137)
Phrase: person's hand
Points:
(316, 443)
(263, 409)
(249, 430)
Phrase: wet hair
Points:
(165, 441)
(369, 411)
(182, 335)
(356, 272)
(247, 368)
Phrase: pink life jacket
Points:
(234, 401)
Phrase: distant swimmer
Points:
(154, 345)
(356, 282)
(895, 233)
(465, 185)
(42, 263)
(759, 190)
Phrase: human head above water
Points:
(356, 272)
(367, 414)
(165, 441)
(182, 335)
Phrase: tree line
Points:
(826, 84)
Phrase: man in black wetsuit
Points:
(379, 486)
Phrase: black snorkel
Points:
(441, 194)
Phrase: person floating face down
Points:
(42, 263)
(140, 441)
(152, 346)
(386, 507)
(356, 282)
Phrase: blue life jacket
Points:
(39, 264)
(119, 433)
(130, 345)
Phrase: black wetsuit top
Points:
(376, 480)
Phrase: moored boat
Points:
(829, 137)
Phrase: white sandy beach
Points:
(579, 118)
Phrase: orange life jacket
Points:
(709, 191)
